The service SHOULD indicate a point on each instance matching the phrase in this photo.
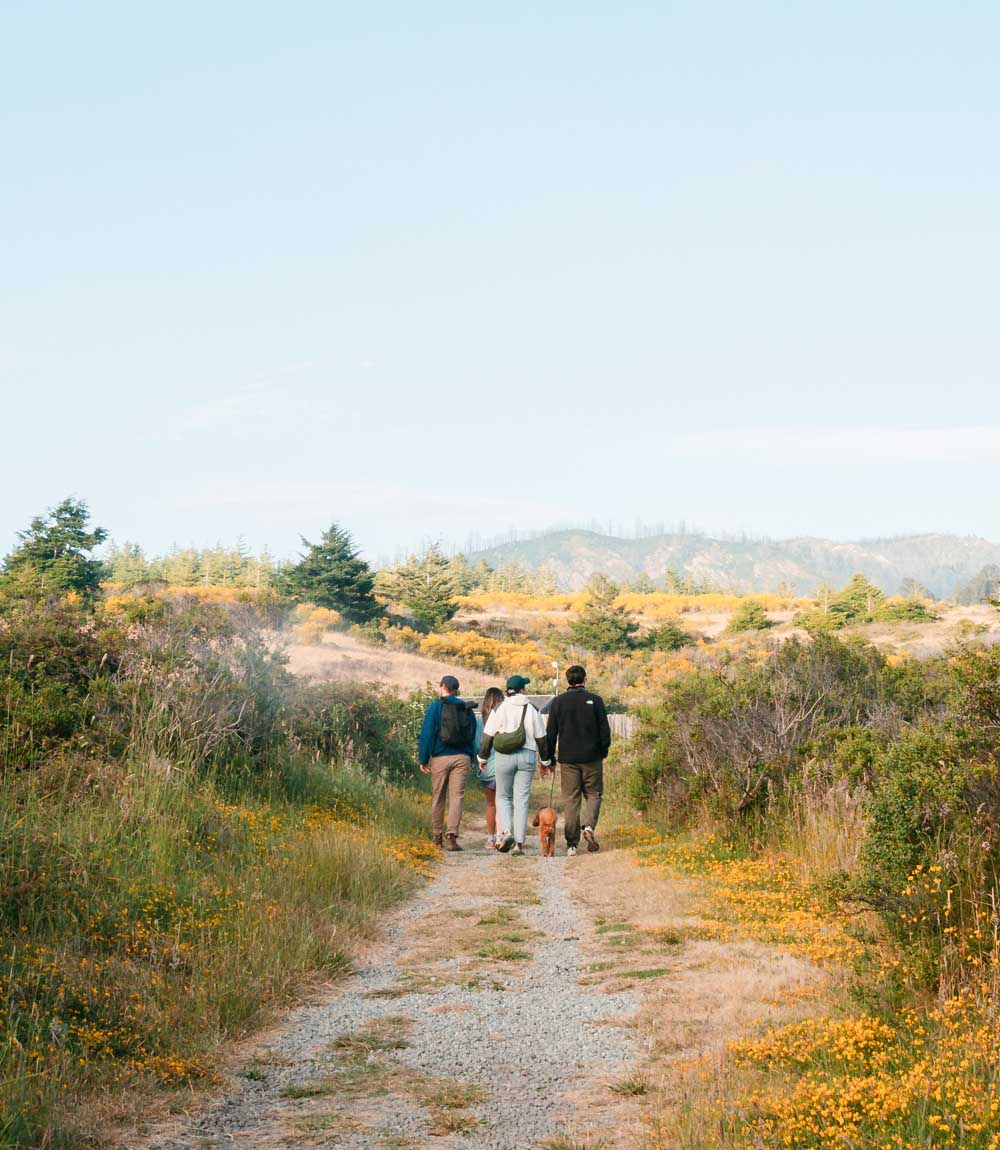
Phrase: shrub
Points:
(668, 636)
(751, 616)
(603, 626)
(310, 623)
(54, 661)
(735, 734)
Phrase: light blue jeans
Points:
(514, 775)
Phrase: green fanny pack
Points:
(507, 742)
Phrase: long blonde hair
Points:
(493, 698)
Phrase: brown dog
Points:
(546, 820)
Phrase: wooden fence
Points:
(623, 726)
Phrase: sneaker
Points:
(451, 843)
(490, 843)
(518, 849)
(592, 844)
(570, 852)
(438, 840)
(506, 843)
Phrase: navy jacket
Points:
(430, 744)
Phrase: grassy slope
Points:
(157, 919)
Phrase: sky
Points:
(443, 269)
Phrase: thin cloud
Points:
(841, 446)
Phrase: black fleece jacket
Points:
(578, 730)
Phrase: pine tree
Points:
(751, 616)
(858, 602)
(602, 626)
(668, 636)
(426, 586)
(53, 556)
(331, 574)
(127, 564)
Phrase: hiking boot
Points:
(451, 843)
(570, 852)
(438, 840)
(592, 844)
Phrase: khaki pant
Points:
(448, 775)
(580, 780)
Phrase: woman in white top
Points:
(515, 764)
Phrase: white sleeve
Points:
(541, 727)
(492, 724)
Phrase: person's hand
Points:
(424, 769)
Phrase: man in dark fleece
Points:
(578, 737)
(447, 749)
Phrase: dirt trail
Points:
(514, 1003)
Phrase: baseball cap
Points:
(517, 683)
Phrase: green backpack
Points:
(507, 742)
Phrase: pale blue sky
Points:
(429, 269)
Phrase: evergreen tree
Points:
(466, 577)
(984, 587)
(53, 555)
(677, 583)
(127, 565)
(824, 597)
(426, 586)
(179, 568)
(913, 589)
(751, 616)
(331, 574)
(602, 626)
(858, 602)
(668, 636)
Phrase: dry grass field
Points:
(341, 657)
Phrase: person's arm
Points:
(428, 733)
(539, 731)
(477, 740)
(552, 728)
(490, 728)
(603, 726)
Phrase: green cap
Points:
(517, 683)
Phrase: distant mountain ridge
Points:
(942, 563)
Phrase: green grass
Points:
(503, 952)
(632, 1086)
(655, 972)
(146, 917)
(309, 1089)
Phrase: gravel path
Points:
(518, 1025)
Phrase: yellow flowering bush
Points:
(933, 1080)
(484, 653)
(146, 917)
(310, 623)
(758, 898)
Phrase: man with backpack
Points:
(579, 736)
(447, 748)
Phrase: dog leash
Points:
(552, 789)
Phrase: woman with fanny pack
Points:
(486, 772)
(516, 732)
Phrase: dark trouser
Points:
(580, 780)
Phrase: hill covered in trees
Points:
(943, 564)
